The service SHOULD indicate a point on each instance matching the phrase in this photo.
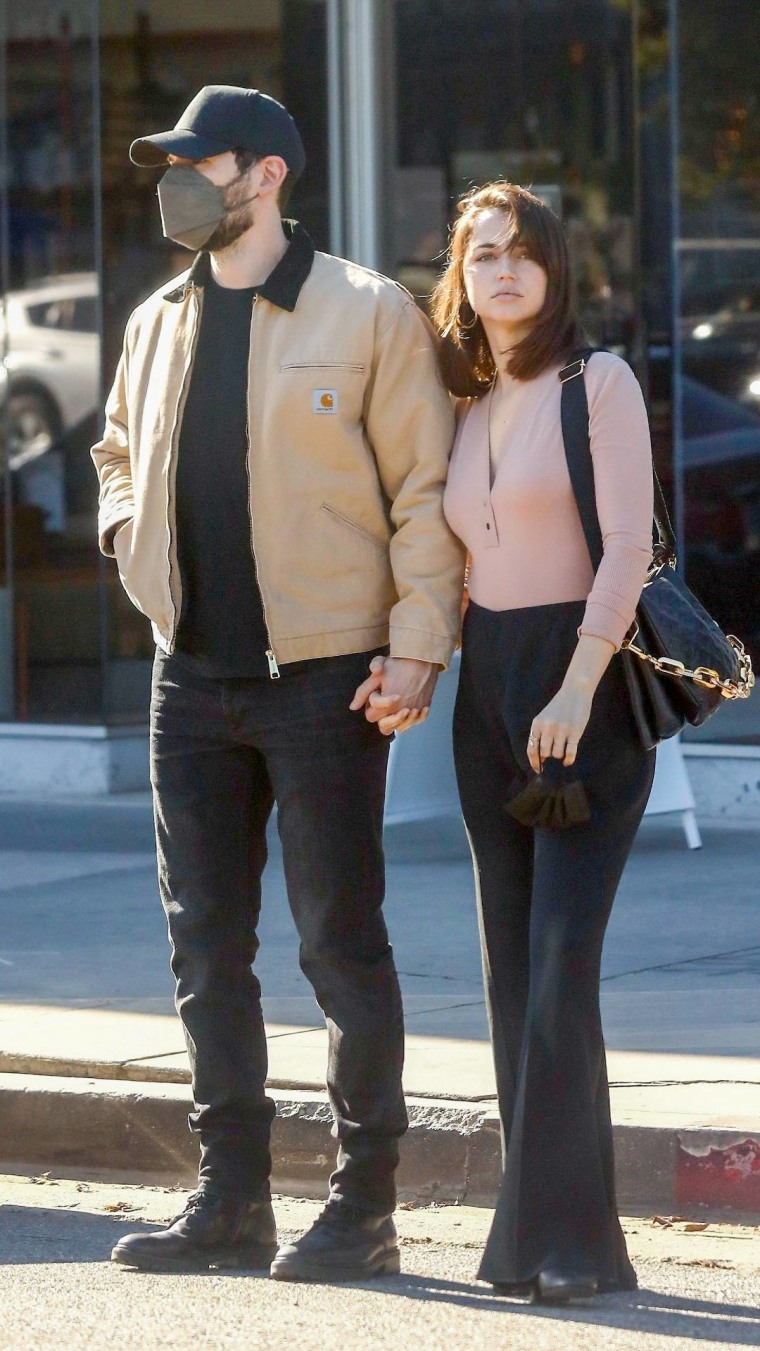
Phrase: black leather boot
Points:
(212, 1230)
(344, 1244)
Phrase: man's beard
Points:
(235, 223)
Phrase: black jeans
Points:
(222, 752)
(544, 899)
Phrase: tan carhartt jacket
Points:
(350, 431)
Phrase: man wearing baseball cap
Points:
(271, 476)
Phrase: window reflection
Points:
(719, 324)
(51, 368)
(153, 56)
(539, 90)
(553, 112)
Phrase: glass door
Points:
(716, 375)
(50, 667)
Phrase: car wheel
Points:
(33, 426)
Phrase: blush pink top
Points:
(524, 533)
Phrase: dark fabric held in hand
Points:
(550, 800)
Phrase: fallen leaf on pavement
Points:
(667, 1222)
(707, 1262)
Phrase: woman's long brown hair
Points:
(466, 359)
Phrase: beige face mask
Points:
(191, 206)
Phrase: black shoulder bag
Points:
(679, 666)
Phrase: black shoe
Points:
(515, 1289)
(557, 1286)
(344, 1244)
(212, 1230)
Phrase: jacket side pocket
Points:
(122, 547)
(376, 540)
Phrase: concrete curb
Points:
(450, 1154)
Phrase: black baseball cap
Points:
(225, 117)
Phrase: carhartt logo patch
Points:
(324, 401)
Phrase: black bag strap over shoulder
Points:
(575, 432)
(677, 663)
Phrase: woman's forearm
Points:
(588, 664)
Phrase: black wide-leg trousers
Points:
(544, 899)
(222, 752)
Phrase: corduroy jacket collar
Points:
(283, 285)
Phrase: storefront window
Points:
(82, 80)
(555, 94)
(537, 91)
(49, 588)
(717, 292)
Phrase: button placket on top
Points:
(489, 530)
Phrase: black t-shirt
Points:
(222, 619)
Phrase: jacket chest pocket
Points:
(355, 367)
(319, 390)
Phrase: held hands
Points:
(558, 728)
(397, 694)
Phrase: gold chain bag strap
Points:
(679, 665)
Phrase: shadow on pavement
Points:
(643, 1310)
(41, 1236)
(34, 1235)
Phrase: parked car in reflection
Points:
(720, 338)
(50, 382)
(721, 462)
(52, 355)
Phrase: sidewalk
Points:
(698, 1285)
(87, 1036)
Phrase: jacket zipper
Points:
(172, 469)
(274, 670)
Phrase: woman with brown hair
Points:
(552, 775)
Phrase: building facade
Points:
(639, 120)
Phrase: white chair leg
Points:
(691, 830)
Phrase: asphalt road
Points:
(81, 925)
(58, 1291)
